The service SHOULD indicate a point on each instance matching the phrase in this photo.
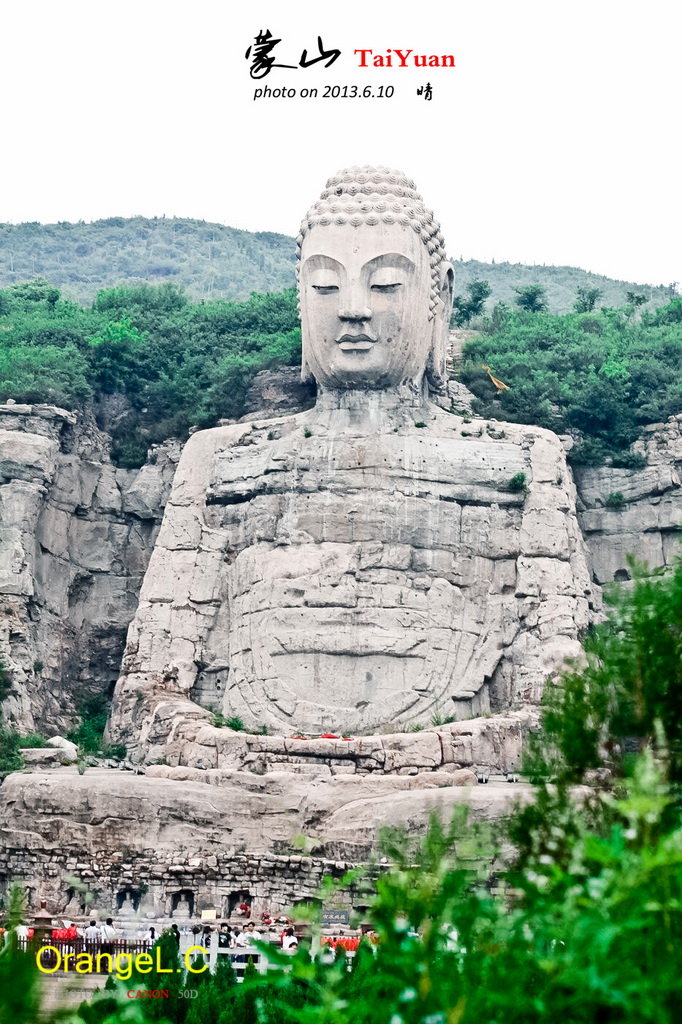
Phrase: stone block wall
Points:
(491, 744)
(153, 884)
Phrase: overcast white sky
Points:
(554, 140)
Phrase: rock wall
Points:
(279, 391)
(76, 537)
(195, 747)
(638, 512)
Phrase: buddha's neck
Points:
(370, 411)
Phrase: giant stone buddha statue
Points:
(364, 565)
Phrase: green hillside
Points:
(560, 283)
(215, 261)
(208, 260)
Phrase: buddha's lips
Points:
(355, 342)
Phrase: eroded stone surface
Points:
(322, 580)
(646, 525)
(75, 539)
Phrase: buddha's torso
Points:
(366, 574)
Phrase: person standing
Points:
(109, 935)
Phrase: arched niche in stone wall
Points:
(239, 898)
(74, 902)
(182, 903)
(128, 901)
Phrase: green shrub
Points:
(628, 460)
(5, 686)
(604, 375)
(10, 757)
(517, 483)
(118, 751)
(178, 363)
(630, 686)
(34, 739)
(130, 452)
(615, 500)
(89, 733)
(233, 722)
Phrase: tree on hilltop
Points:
(586, 299)
(532, 298)
(466, 307)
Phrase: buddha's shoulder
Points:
(205, 444)
(446, 425)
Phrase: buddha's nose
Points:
(352, 306)
(360, 313)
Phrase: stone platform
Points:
(488, 745)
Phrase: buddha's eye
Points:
(325, 289)
(386, 288)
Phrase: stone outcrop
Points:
(634, 512)
(76, 536)
(491, 745)
(280, 391)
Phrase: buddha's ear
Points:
(447, 292)
(306, 373)
(436, 365)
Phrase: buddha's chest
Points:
(417, 489)
(401, 488)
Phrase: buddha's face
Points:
(364, 305)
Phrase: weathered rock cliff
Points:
(637, 512)
(172, 842)
(76, 534)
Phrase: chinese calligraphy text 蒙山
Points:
(260, 53)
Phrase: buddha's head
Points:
(375, 285)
